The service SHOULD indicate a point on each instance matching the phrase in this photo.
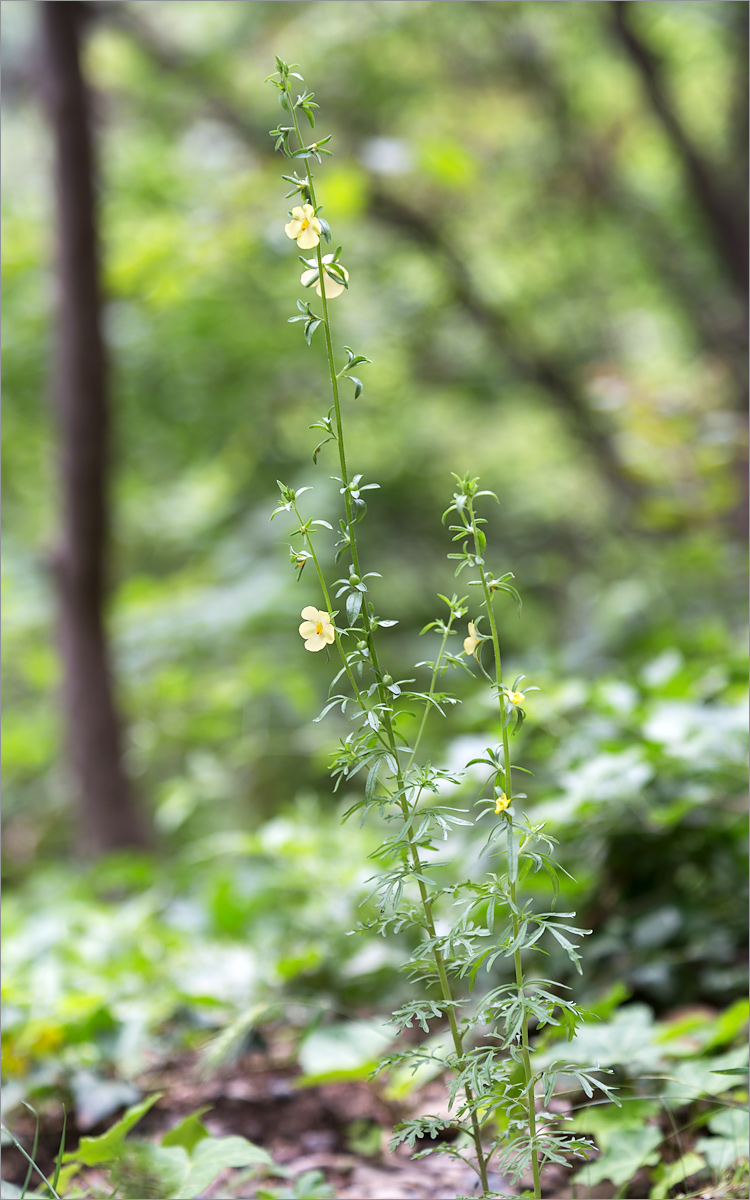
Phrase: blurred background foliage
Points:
(548, 305)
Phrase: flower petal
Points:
(329, 634)
(299, 212)
(307, 277)
(308, 211)
(308, 238)
(316, 642)
(310, 613)
(333, 287)
(308, 628)
(292, 229)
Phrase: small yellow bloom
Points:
(501, 803)
(472, 641)
(316, 629)
(304, 227)
(516, 697)
(333, 287)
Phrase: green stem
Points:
(417, 865)
(428, 705)
(530, 1098)
(329, 608)
(517, 960)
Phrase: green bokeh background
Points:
(572, 242)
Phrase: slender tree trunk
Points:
(108, 818)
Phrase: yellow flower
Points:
(501, 802)
(316, 629)
(333, 286)
(472, 641)
(516, 697)
(304, 227)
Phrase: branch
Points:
(528, 361)
(720, 211)
(590, 161)
(191, 70)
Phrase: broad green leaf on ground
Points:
(403, 1081)
(154, 1170)
(667, 1175)
(347, 1050)
(628, 1150)
(211, 1156)
(603, 1121)
(103, 1149)
(732, 1127)
(627, 1040)
(690, 1079)
(697, 1027)
(189, 1132)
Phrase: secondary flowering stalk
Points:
(501, 806)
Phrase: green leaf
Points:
(189, 1132)
(604, 1121)
(165, 1166)
(512, 854)
(732, 1123)
(348, 1049)
(628, 1039)
(310, 328)
(372, 779)
(703, 1076)
(729, 1023)
(667, 1175)
(353, 606)
(628, 1150)
(106, 1148)
(213, 1155)
(721, 1152)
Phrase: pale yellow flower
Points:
(501, 803)
(333, 287)
(516, 697)
(304, 227)
(316, 629)
(472, 641)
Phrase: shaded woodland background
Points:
(543, 209)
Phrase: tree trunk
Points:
(108, 817)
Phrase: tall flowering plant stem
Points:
(488, 1057)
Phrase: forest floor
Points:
(339, 1130)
